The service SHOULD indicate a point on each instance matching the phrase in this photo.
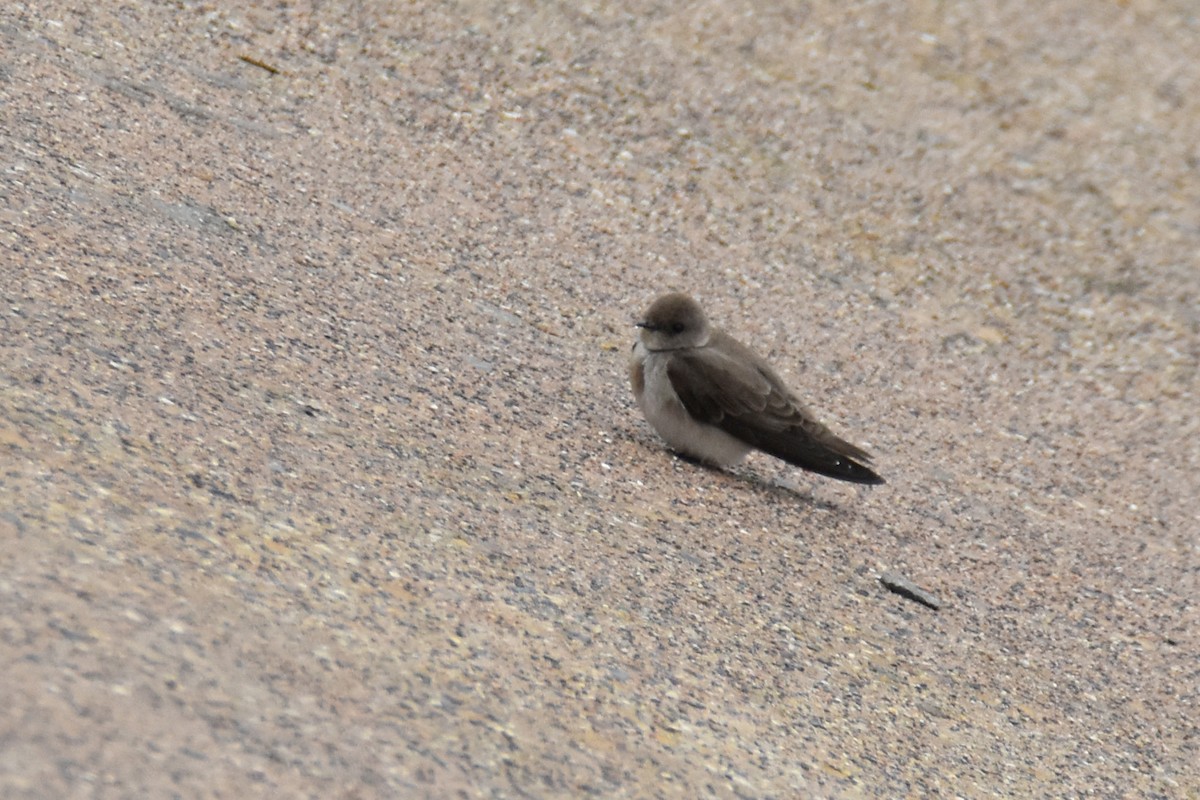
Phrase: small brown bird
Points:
(714, 399)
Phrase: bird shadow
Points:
(774, 488)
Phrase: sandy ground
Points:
(319, 472)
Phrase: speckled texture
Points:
(320, 477)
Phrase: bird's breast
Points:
(667, 415)
(637, 372)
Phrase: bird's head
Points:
(673, 322)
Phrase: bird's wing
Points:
(730, 387)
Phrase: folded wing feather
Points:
(732, 388)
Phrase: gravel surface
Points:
(321, 476)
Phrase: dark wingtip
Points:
(803, 451)
(853, 472)
(870, 479)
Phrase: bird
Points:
(713, 399)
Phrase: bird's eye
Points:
(677, 327)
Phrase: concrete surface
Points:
(319, 472)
